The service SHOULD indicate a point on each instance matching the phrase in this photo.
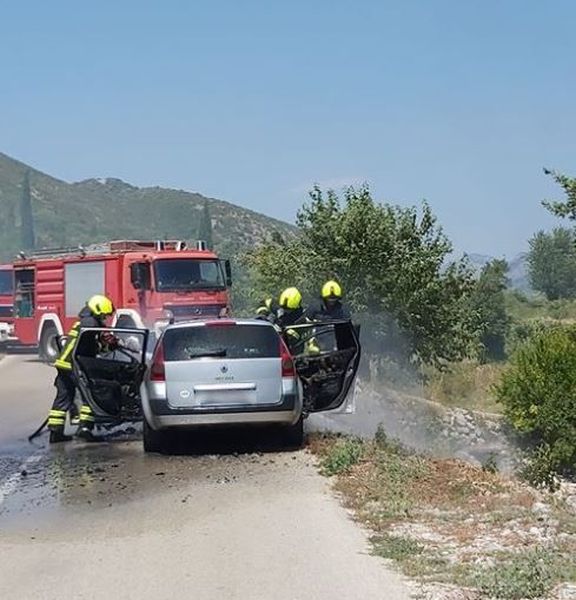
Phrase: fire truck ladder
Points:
(113, 247)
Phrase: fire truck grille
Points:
(6, 312)
(194, 311)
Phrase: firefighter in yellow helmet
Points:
(94, 314)
(290, 310)
(330, 307)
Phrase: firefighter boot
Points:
(85, 433)
(86, 424)
(57, 436)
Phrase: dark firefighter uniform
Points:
(291, 312)
(330, 307)
(92, 315)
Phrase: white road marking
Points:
(11, 483)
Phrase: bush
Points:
(343, 455)
(538, 393)
(523, 331)
(526, 575)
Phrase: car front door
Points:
(109, 365)
(326, 357)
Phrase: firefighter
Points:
(94, 314)
(267, 310)
(290, 310)
(330, 307)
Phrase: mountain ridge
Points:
(97, 209)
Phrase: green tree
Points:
(489, 304)
(393, 265)
(26, 217)
(566, 209)
(552, 263)
(205, 226)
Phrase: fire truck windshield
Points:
(182, 274)
(5, 283)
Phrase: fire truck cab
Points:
(6, 302)
(149, 282)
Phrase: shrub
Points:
(538, 393)
(345, 453)
(526, 575)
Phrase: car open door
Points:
(326, 356)
(109, 379)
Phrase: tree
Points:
(26, 217)
(566, 209)
(489, 304)
(552, 263)
(205, 226)
(393, 265)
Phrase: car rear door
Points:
(221, 365)
(326, 356)
(109, 380)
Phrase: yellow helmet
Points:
(290, 298)
(331, 289)
(100, 306)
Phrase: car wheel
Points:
(48, 349)
(293, 435)
(154, 441)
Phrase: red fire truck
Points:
(6, 302)
(148, 282)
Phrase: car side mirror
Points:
(140, 276)
(228, 271)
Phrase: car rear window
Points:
(226, 341)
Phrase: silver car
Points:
(208, 373)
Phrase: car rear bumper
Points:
(160, 415)
(202, 420)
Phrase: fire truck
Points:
(149, 282)
(6, 302)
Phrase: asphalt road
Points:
(231, 518)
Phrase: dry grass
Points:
(448, 522)
(466, 385)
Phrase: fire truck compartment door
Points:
(109, 375)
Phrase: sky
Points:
(457, 102)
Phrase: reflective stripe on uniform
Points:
(56, 418)
(86, 414)
(64, 361)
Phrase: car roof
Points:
(203, 322)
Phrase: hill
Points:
(517, 269)
(101, 209)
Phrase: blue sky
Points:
(458, 102)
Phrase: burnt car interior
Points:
(110, 379)
(326, 357)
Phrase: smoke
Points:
(390, 394)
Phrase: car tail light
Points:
(288, 369)
(157, 370)
(220, 323)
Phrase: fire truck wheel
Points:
(48, 349)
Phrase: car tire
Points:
(293, 435)
(48, 350)
(153, 441)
